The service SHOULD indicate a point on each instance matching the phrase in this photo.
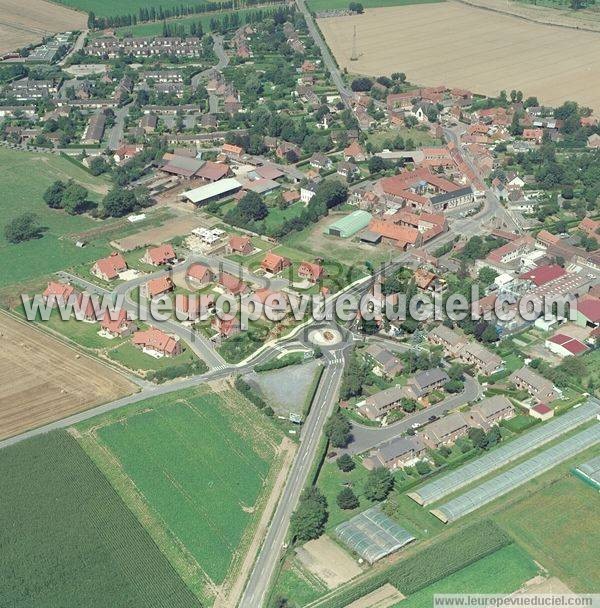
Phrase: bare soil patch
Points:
(42, 379)
(156, 236)
(387, 595)
(23, 22)
(464, 46)
(328, 561)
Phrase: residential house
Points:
(241, 245)
(232, 285)
(347, 170)
(484, 361)
(354, 152)
(388, 364)
(310, 271)
(378, 405)
(57, 293)
(156, 288)
(109, 268)
(159, 256)
(157, 343)
(274, 263)
(308, 191)
(446, 430)
(491, 411)
(320, 161)
(537, 386)
(425, 382)
(127, 152)
(199, 275)
(193, 307)
(396, 453)
(448, 339)
(116, 324)
(226, 325)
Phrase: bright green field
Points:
(323, 5)
(193, 466)
(68, 539)
(24, 177)
(501, 572)
(109, 8)
(559, 526)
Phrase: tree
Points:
(422, 467)
(487, 275)
(376, 164)
(331, 192)
(23, 228)
(345, 463)
(361, 84)
(119, 202)
(379, 484)
(454, 386)
(98, 165)
(408, 405)
(347, 499)
(75, 199)
(477, 436)
(337, 428)
(308, 520)
(251, 208)
(54, 194)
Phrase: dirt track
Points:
(462, 46)
(23, 22)
(42, 379)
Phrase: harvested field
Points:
(327, 560)
(22, 24)
(178, 226)
(386, 595)
(42, 379)
(494, 52)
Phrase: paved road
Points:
(328, 60)
(493, 207)
(199, 343)
(367, 437)
(76, 47)
(115, 137)
(222, 62)
(268, 558)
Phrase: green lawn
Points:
(132, 357)
(501, 572)
(323, 5)
(23, 180)
(68, 539)
(559, 525)
(420, 137)
(297, 585)
(193, 467)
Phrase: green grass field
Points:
(68, 539)
(323, 5)
(559, 526)
(114, 7)
(193, 466)
(132, 357)
(501, 572)
(23, 181)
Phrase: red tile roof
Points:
(314, 271)
(162, 254)
(240, 243)
(111, 266)
(212, 171)
(113, 320)
(156, 339)
(544, 274)
(232, 284)
(159, 286)
(58, 290)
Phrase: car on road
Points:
(416, 425)
(433, 418)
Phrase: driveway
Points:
(367, 437)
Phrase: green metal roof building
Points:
(350, 224)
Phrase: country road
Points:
(325, 399)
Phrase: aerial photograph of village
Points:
(299, 303)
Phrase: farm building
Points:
(373, 535)
(350, 224)
(212, 192)
(590, 472)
